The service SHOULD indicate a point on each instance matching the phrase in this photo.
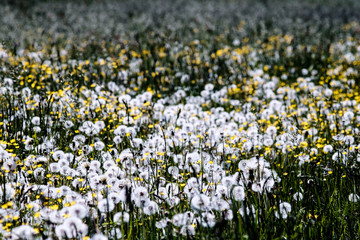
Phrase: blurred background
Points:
(183, 20)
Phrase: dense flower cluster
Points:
(178, 139)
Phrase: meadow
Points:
(179, 119)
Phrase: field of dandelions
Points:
(179, 119)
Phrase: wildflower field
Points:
(179, 119)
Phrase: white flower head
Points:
(151, 208)
(298, 196)
(354, 197)
(238, 193)
(200, 202)
(328, 149)
(284, 210)
(35, 121)
(106, 205)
